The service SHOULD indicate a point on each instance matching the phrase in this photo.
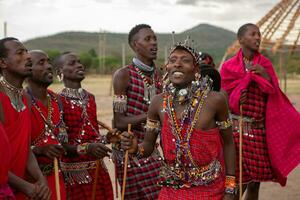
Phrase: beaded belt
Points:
(179, 177)
(248, 123)
(77, 172)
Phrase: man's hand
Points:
(228, 197)
(38, 191)
(243, 97)
(51, 151)
(129, 142)
(113, 136)
(260, 70)
(98, 150)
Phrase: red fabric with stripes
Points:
(73, 121)
(256, 160)
(205, 146)
(143, 175)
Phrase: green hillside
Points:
(208, 38)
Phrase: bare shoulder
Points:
(121, 80)
(217, 98)
(122, 73)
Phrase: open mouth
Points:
(28, 64)
(177, 74)
(80, 72)
(257, 44)
(153, 50)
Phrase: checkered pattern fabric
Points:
(143, 174)
(104, 189)
(256, 161)
(74, 123)
(205, 146)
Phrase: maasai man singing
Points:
(134, 86)
(48, 128)
(15, 66)
(271, 125)
(196, 134)
(85, 145)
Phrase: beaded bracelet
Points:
(82, 148)
(152, 125)
(230, 185)
(224, 124)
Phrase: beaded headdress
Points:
(186, 45)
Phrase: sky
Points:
(27, 19)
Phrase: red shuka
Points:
(5, 155)
(205, 146)
(39, 139)
(17, 126)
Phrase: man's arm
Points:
(120, 84)
(33, 169)
(222, 115)
(146, 148)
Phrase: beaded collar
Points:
(248, 63)
(80, 98)
(149, 87)
(50, 127)
(15, 95)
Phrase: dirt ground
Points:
(99, 85)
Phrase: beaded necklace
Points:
(190, 117)
(15, 95)
(50, 127)
(149, 88)
(247, 62)
(80, 98)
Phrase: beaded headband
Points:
(186, 47)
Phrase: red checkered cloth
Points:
(282, 119)
(74, 122)
(143, 174)
(256, 161)
(205, 147)
(104, 189)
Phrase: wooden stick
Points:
(125, 168)
(96, 179)
(57, 186)
(105, 126)
(241, 153)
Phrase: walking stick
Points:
(241, 153)
(125, 168)
(96, 179)
(102, 124)
(57, 186)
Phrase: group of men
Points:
(196, 120)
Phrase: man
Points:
(48, 128)
(5, 154)
(15, 66)
(270, 123)
(134, 87)
(84, 146)
(196, 134)
(207, 67)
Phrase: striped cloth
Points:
(74, 121)
(256, 162)
(143, 174)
